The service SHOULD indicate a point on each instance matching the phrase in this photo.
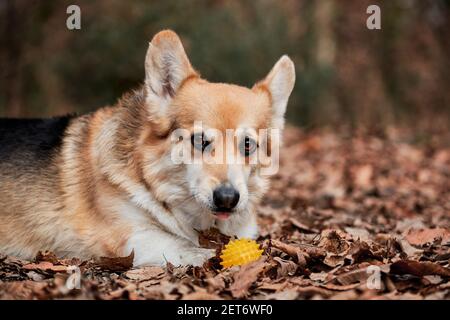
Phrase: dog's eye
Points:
(199, 142)
(248, 146)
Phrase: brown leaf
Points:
(279, 286)
(283, 295)
(245, 277)
(353, 276)
(285, 267)
(20, 290)
(319, 276)
(45, 266)
(217, 282)
(334, 241)
(346, 295)
(46, 256)
(408, 249)
(336, 287)
(127, 292)
(116, 263)
(360, 251)
(313, 252)
(358, 233)
(301, 255)
(35, 276)
(419, 269)
(311, 291)
(201, 296)
(212, 239)
(302, 226)
(333, 261)
(146, 273)
(420, 237)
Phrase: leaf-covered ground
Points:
(347, 217)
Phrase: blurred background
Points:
(347, 75)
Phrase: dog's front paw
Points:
(249, 231)
(194, 256)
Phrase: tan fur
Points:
(112, 185)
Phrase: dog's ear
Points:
(279, 82)
(166, 67)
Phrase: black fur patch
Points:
(26, 141)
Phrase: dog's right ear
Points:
(166, 67)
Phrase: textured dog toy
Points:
(239, 252)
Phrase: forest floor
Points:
(347, 217)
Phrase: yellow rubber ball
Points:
(239, 252)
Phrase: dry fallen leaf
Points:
(420, 237)
(46, 256)
(358, 233)
(294, 252)
(245, 277)
(201, 296)
(116, 263)
(283, 295)
(419, 269)
(146, 273)
(286, 268)
(334, 241)
(212, 239)
(45, 266)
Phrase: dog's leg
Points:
(156, 248)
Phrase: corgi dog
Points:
(105, 183)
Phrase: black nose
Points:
(225, 198)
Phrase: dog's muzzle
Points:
(225, 198)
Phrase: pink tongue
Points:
(222, 215)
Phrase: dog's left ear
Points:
(279, 82)
(166, 67)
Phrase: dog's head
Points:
(222, 122)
